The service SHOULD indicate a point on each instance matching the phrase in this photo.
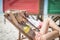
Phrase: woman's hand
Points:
(37, 36)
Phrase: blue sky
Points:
(1, 7)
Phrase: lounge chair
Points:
(12, 18)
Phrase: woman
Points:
(43, 34)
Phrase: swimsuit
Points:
(40, 25)
(38, 35)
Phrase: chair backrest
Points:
(15, 21)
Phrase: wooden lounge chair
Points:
(12, 18)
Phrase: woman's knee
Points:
(48, 19)
(53, 35)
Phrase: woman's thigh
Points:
(51, 35)
(45, 27)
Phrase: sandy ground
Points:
(8, 31)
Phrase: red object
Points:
(39, 27)
(31, 6)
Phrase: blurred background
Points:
(41, 8)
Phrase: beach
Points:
(8, 31)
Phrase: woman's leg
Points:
(48, 22)
(50, 35)
(45, 27)
(53, 25)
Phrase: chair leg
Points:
(59, 37)
(4, 21)
(19, 36)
